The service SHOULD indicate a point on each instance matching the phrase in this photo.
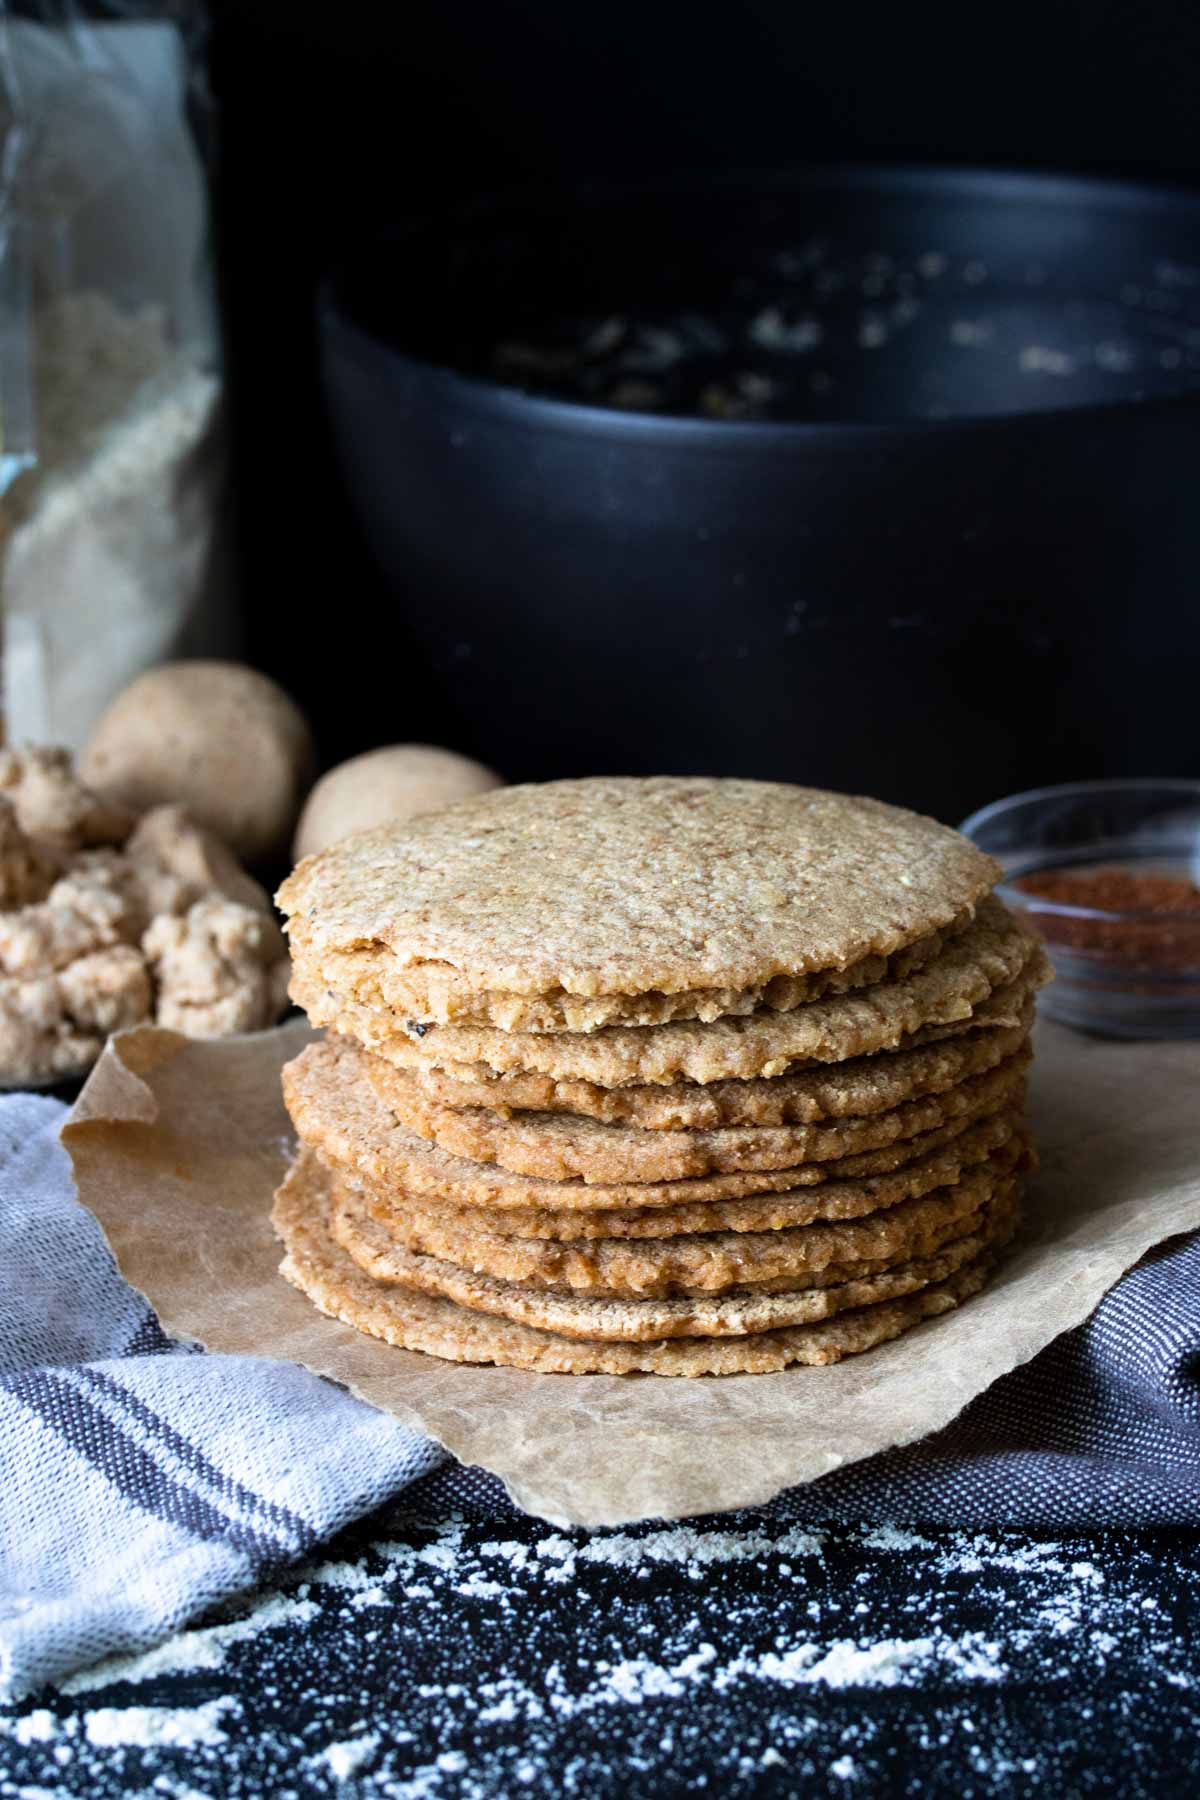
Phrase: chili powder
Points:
(1169, 939)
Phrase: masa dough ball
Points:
(218, 738)
(398, 782)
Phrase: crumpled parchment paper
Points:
(177, 1146)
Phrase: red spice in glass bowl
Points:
(1148, 920)
(1108, 873)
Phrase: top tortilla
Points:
(620, 885)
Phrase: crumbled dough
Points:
(26, 871)
(96, 937)
(218, 969)
(176, 862)
(54, 807)
(87, 909)
(107, 990)
(38, 1038)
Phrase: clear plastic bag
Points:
(111, 447)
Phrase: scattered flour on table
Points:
(891, 1663)
(346, 1758)
(36, 1727)
(738, 1663)
(191, 1650)
(152, 1727)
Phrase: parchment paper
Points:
(177, 1147)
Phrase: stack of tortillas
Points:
(679, 1076)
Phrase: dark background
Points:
(336, 120)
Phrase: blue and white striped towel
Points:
(140, 1481)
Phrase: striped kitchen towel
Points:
(141, 1481)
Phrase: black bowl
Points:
(960, 560)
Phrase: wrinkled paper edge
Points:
(177, 1146)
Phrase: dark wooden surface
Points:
(482, 1654)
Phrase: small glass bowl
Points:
(1122, 971)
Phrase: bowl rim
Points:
(1061, 790)
(515, 405)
